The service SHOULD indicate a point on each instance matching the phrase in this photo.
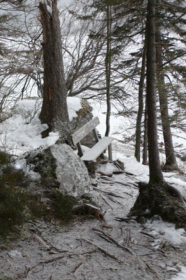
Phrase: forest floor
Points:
(91, 249)
(116, 248)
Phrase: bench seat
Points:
(97, 149)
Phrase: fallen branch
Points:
(54, 259)
(103, 251)
(112, 199)
(110, 239)
(43, 262)
(126, 185)
(145, 233)
(107, 202)
(108, 193)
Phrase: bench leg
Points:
(110, 152)
(90, 166)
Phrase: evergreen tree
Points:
(157, 197)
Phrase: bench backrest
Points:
(84, 130)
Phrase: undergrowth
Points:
(61, 205)
(19, 205)
(12, 199)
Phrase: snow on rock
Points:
(74, 105)
(59, 167)
(71, 172)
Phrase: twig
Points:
(43, 262)
(110, 239)
(57, 258)
(119, 219)
(49, 248)
(127, 185)
(111, 198)
(77, 266)
(152, 270)
(103, 251)
(127, 193)
(40, 240)
(148, 234)
(107, 202)
(108, 193)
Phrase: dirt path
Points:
(91, 249)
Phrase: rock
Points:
(59, 167)
(71, 171)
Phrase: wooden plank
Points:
(84, 130)
(98, 149)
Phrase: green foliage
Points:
(61, 206)
(36, 207)
(4, 158)
(12, 201)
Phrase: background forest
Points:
(127, 58)
(104, 46)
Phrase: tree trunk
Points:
(140, 107)
(108, 69)
(154, 162)
(145, 138)
(54, 110)
(156, 197)
(169, 150)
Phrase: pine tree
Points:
(157, 197)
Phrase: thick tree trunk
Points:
(54, 110)
(169, 150)
(140, 107)
(108, 69)
(154, 162)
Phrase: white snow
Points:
(181, 275)
(74, 105)
(21, 132)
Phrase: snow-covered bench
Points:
(100, 146)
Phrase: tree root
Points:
(162, 200)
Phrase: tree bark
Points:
(145, 138)
(108, 69)
(154, 162)
(169, 150)
(140, 107)
(54, 109)
(157, 197)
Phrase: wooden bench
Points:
(100, 146)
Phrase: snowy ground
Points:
(113, 249)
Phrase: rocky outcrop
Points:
(59, 167)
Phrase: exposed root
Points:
(162, 200)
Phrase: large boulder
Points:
(59, 167)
